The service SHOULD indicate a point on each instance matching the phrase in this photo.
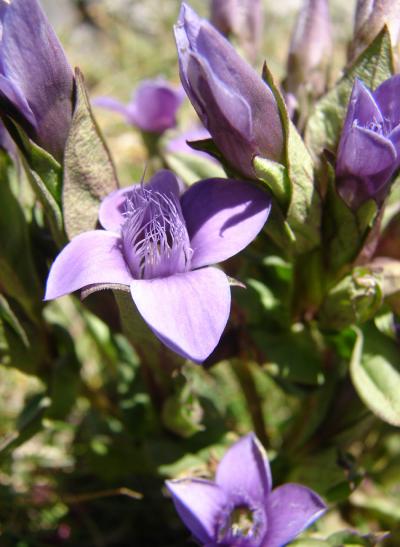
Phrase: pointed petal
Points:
(387, 95)
(112, 104)
(245, 468)
(33, 58)
(90, 258)
(291, 508)
(222, 217)
(199, 503)
(364, 153)
(188, 311)
(112, 208)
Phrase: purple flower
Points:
(153, 106)
(368, 153)
(36, 81)
(160, 245)
(234, 104)
(239, 509)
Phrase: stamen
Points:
(242, 522)
(154, 235)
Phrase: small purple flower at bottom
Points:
(160, 246)
(240, 508)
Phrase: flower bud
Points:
(235, 105)
(242, 19)
(370, 17)
(369, 146)
(310, 49)
(36, 81)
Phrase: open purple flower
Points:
(235, 105)
(160, 245)
(239, 509)
(153, 106)
(36, 81)
(368, 153)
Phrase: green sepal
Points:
(38, 160)
(89, 173)
(275, 176)
(344, 231)
(303, 213)
(375, 373)
(45, 176)
(373, 66)
(349, 538)
(354, 300)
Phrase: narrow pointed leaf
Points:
(89, 173)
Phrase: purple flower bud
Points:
(153, 106)
(310, 48)
(370, 17)
(242, 19)
(369, 146)
(239, 508)
(235, 105)
(160, 246)
(36, 81)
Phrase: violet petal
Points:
(291, 508)
(245, 469)
(365, 152)
(222, 217)
(198, 503)
(187, 311)
(90, 258)
(387, 95)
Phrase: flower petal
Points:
(291, 508)
(365, 153)
(199, 503)
(112, 104)
(33, 58)
(245, 469)
(387, 95)
(90, 258)
(222, 217)
(112, 208)
(188, 311)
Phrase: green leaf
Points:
(303, 214)
(375, 372)
(191, 168)
(89, 173)
(349, 538)
(291, 355)
(29, 423)
(373, 66)
(18, 276)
